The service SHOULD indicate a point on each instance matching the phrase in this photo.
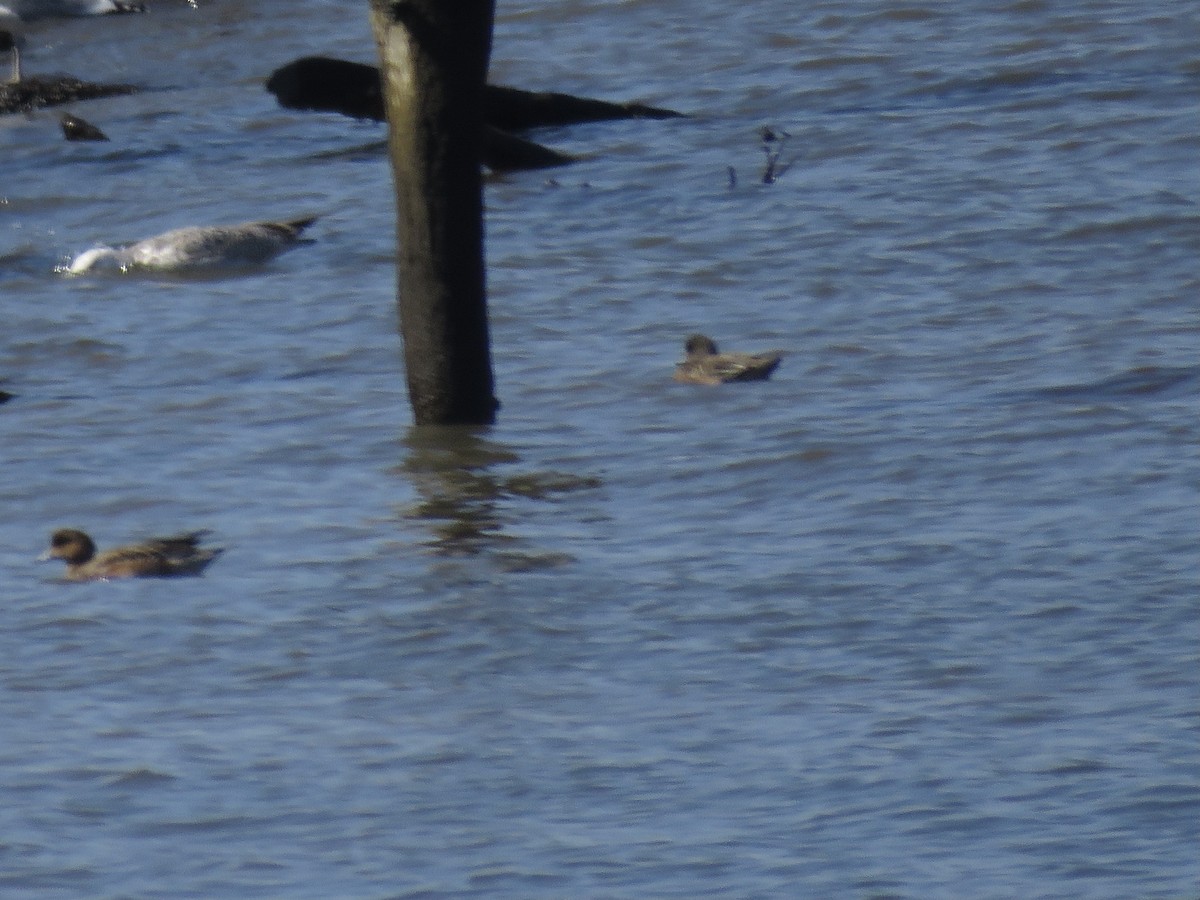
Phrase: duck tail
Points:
(180, 545)
(194, 563)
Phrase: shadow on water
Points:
(470, 491)
(1143, 381)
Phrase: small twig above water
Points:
(773, 143)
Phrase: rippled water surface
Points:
(917, 618)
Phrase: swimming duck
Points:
(196, 248)
(157, 557)
(704, 364)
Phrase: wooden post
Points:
(434, 60)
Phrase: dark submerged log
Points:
(517, 110)
(434, 58)
(353, 89)
(504, 152)
(29, 94)
(329, 85)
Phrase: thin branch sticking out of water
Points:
(774, 142)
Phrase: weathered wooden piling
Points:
(434, 60)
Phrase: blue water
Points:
(917, 618)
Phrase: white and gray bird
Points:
(196, 248)
(15, 13)
(47, 9)
(12, 37)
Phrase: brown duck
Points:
(157, 557)
(704, 364)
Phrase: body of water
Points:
(916, 618)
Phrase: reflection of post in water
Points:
(466, 502)
(449, 467)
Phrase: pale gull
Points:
(12, 37)
(197, 248)
(45, 9)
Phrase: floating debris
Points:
(77, 129)
(34, 93)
